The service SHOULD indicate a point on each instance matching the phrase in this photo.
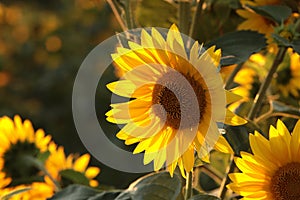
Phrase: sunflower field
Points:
(150, 100)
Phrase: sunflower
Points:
(288, 77)
(272, 172)
(257, 22)
(18, 141)
(176, 100)
(58, 162)
(34, 191)
(248, 79)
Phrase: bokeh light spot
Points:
(53, 44)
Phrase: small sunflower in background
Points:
(23, 168)
(287, 81)
(248, 79)
(58, 163)
(34, 191)
(256, 22)
(19, 142)
(272, 172)
(159, 75)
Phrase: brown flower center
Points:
(179, 95)
(285, 183)
(17, 167)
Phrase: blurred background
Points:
(42, 45)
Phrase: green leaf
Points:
(124, 196)
(238, 46)
(155, 186)
(296, 45)
(207, 183)
(74, 176)
(277, 13)
(281, 40)
(81, 192)
(75, 192)
(14, 192)
(237, 136)
(109, 195)
(43, 156)
(204, 197)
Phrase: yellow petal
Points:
(233, 120)
(278, 145)
(123, 88)
(160, 159)
(82, 162)
(93, 183)
(223, 146)
(171, 168)
(261, 147)
(295, 142)
(158, 41)
(232, 97)
(188, 159)
(92, 172)
(146, 39)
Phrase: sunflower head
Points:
(288, 76)
(248, 80)
(273, 170)
(63, 167)
(176, 99)
(18, 142)
(254, 21)
(262, 24)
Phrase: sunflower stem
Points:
(189, 186)
(263, 88)
(226, 180)
(184, 16)
(230, 79)
(117, 14)
(129, 14)
(196, 16)
(37, 163)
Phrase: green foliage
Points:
(296, 45)
(238, 136)
(75, 192)
(276, 13)
(74, 176)
(42, 157)
(156, 186)
(281, 40)
(238, 46)
(204, 197)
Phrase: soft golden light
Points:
(53, 44)
(4, 79)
